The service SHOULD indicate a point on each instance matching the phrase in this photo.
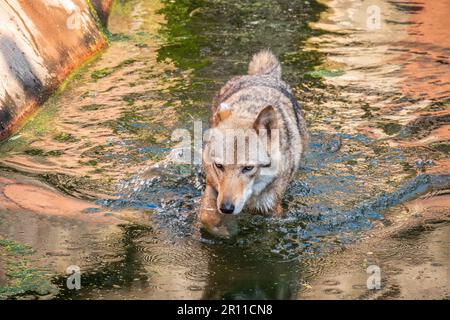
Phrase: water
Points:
(101, 146)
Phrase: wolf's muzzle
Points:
(226, 207)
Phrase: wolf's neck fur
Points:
(263, 202)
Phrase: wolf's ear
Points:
(222, 112)
(267, 119)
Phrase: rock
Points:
(41, 42)
(102, 8)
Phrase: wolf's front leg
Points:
(216, 223)
(278, 209)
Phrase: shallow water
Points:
(101, 147)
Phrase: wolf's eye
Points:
(247, 169)
(218, 166)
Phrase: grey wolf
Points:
(254, 109)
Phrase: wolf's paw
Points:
(224, 231)
(219, 225)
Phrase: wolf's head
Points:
(240, 159)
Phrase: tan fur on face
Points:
(233, 186)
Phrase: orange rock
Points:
(41, 42)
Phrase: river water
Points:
(88, 182)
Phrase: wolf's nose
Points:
(226, 207)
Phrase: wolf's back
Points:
(265, 63)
